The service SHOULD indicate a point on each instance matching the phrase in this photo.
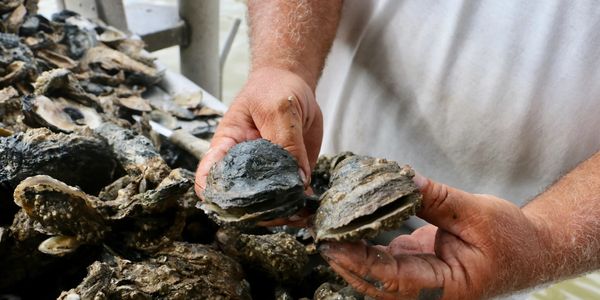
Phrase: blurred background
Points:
(236, 66)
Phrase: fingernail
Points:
(420, 181)
(303, 176)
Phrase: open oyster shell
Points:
(366, 196)
(256, 180)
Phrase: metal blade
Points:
(160, 129)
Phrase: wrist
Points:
(306, 74)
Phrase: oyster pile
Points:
(95, 205)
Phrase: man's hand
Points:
(277, 105)
(482, 246)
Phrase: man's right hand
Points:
(277, 105)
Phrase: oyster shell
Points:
(181, 271)
(106, 60)
(61, 209)
(256, 180)
(83, 159)
(80, 218)
(60, 115)
(16, 60)
(135, 152)
(331, 291)
(366, 196)
(280, 256)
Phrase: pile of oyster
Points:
(95, 205)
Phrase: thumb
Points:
(448, 208)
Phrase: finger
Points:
(448, 208)
(361, 285)
(218, 149)
(405, 275)
(284, 127)
(426, 236)
(404, 245)
(313, 137)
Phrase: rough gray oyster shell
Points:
(279, 256)
(181, 271)
(256, 180)
(366, 196)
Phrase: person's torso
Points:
(497, 97)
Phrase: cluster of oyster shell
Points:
(94, 205)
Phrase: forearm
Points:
(568, 215)
(294, 35)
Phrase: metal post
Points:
(113, 13)
(60, 4)
(200, 55)
(110, 11)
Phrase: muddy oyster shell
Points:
(60, 209)
(181, 271)
(280, 256)
(256, 180)
(366, 196)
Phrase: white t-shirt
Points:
(496, 97)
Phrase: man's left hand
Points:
(482, 246)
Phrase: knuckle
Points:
(438, 194)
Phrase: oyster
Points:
(60, 103)
(83, 159)
(280, 256)
(108, 61)
(135, 152)
(366, 196)
(256, 180)
(11, 119)
(16, 60)
(60, 115)
(62, 83)
(61, 209)
(329, 291)
(180, 271)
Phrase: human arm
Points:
(289, 43)
(483, 246)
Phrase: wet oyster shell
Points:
(256, 180)
(366, 196)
